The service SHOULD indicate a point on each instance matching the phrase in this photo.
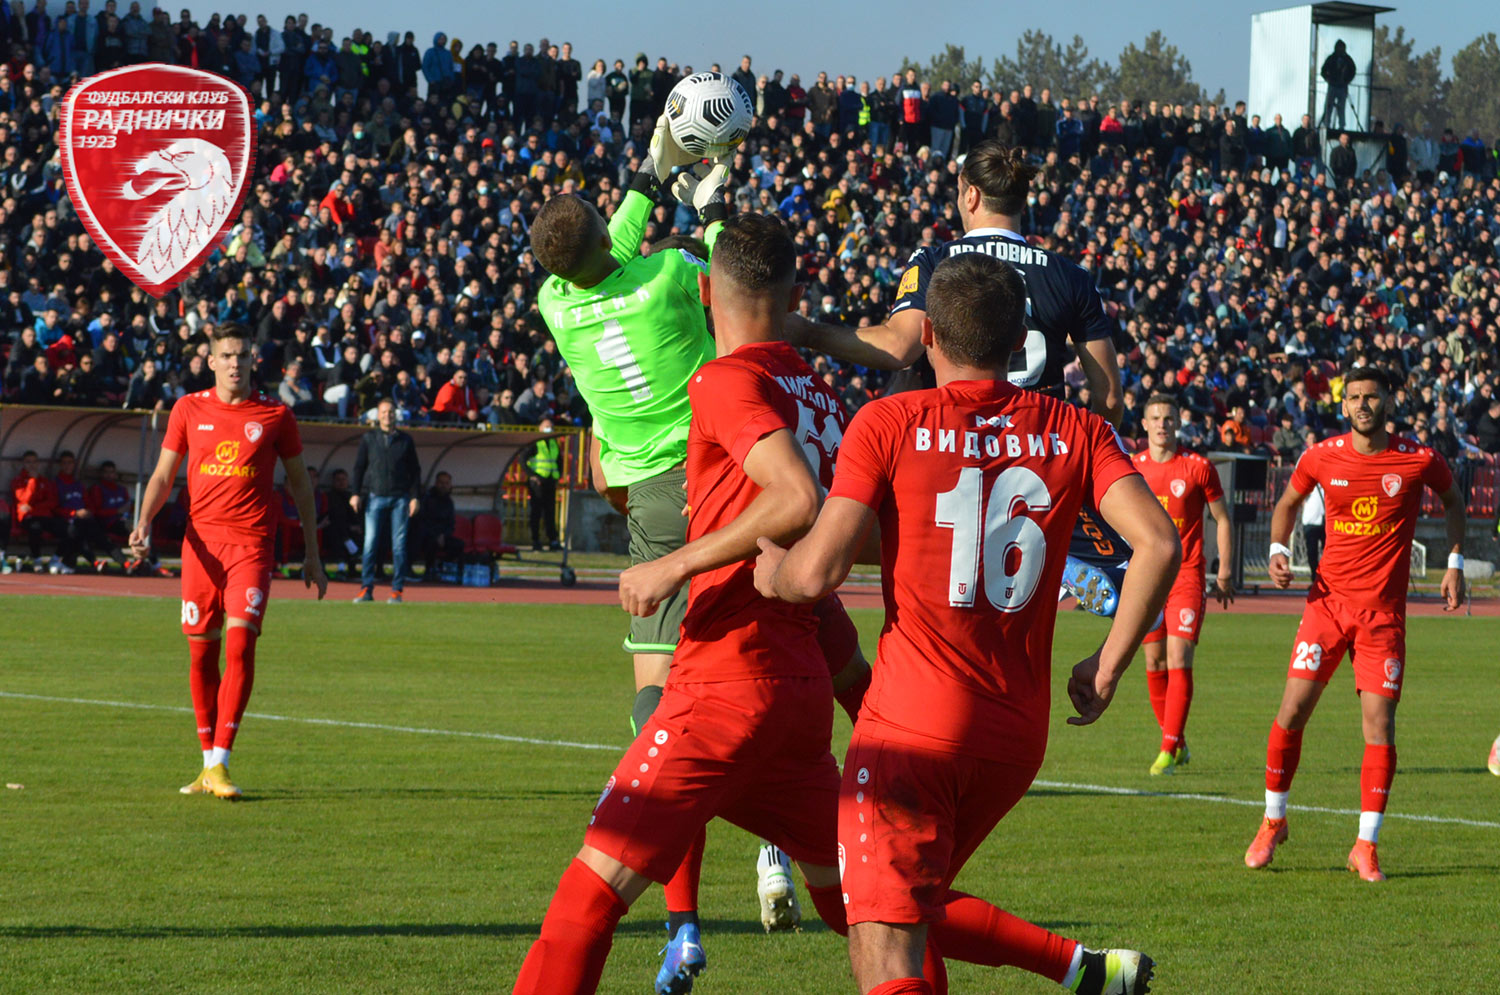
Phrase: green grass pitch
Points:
(402, 856)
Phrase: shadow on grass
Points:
(355, 931)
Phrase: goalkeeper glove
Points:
(703, 187)
(663, 154)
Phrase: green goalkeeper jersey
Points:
(632, 342)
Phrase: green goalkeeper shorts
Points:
(657, 527)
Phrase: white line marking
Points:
(1103, 789)
(1099, 789)
(326, 722)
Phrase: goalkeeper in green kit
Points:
(634, 331)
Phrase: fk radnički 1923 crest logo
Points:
(157, 159)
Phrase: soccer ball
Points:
(709, 114)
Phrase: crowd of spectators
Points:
(383, 250)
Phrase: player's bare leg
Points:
(1169, 671)
(1378, 717)
(1283, 753)
(887, 957)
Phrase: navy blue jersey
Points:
(1063, 310)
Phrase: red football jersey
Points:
(1371, 505)
(730, 631)
(230, 451)
(977, 485)
(1185, 485)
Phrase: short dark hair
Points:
(108, 464)
(559, 235)
(977, 306)
(66, 454)
(231, 330)
(1002, 173)
(755, 252)
(1368, 373)
(1160, 398)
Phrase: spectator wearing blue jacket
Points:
(321, 69)
(1069, 134)
(795, 206)
(437, 67)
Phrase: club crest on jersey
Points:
(1179, 488)
(1186, 617)
(157, 159)
(253, 431)
(1390, 483)
(1393, 670)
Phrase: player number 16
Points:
(1012, 546)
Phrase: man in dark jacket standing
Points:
(1338, 72)
(1342, 161)
(387, 481)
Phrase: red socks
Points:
(979, 933)
(1156, 686)
(933, 969)
(1283, 752)
(203, 681)
(849, 699)
(239, 676)
(903, 986)
(576, 936)
(1179, 699)
(1375, 776)
(682, 889)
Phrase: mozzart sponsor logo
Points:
(1364, 510)
(225, 453)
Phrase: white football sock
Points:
(207, 758)
(1275, 804)
(1072, 975)
(1369, 826)
(220, 755)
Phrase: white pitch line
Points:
(417, 730)
(1098, 789)
(1104, 789)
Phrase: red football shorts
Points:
(837, 636)
(1183, 615)
(219, 580)
(754, 753)
(909, 819)
(1376, 641)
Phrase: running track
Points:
(529, 591)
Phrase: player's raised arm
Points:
(628, 226)
(1132, 510)
(158, 488)
(786, 508)
(1455, 520)
(893, 345)
(300, 486)
(1283, 518)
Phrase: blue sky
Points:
(867, 38)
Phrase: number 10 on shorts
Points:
(1011, 546)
